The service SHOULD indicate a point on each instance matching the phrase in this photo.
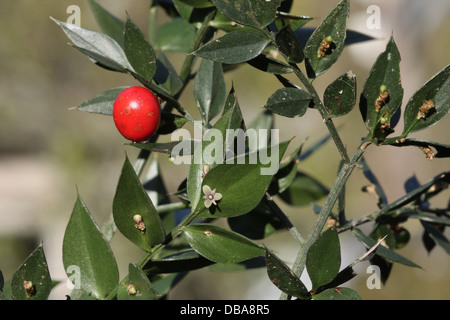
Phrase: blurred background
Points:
(48, 151)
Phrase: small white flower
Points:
(211, 196)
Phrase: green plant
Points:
(237, 190)
(136, 113)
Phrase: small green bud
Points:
(383, 89)
(329, 39)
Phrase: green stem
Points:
(325, 114)
(335, 191)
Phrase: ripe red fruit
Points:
(136, 113)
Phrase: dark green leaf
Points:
(257, 13)
(234, 47)
(176, 35)
(85, 248)
(340, 96)
(139, 52)
(102, 103)
(242, 181)
(131, 199)
(289, 102)
(383, 251)
(257, 224)
(178, 262)
(109, 24)
(136, 286)
(183, 147)
(221, 245)
(270, 65)
(324, 258)
(436, 89)
(337, 294)
(442, 150)
(210, 89)
(288, 44)
(303, 190)
(384, 72)
(98, 46)
(283, 277)
(334, 26)
(437, 236)
(35, 272)
(198, 3)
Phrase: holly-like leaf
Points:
(242, 181)
(136, 286)
(32, 280)
(333, 27)
(139, 52)
(288, 44)
(256, 13)
(84, 247)
(385, 73)
(289, 102)
(337, 293)
(324, 258)
(102, 103)
(235, 47)
(340, 96)
(283, 277)
(99, 47)
(221, 245)
(130, 200)
(210, 89)
(436, 90)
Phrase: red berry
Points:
(136, 113)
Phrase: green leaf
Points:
(257, 224)
(109, 24)
(210, 89)
(256, 13)
(436, 89)
(85, 248)
(442, 150)
(35, 270)
(340, 96)
(221, 245)
(288, 44)
(198, 3)
(235, 47)
(139, 52)
(324, 258)
(102, 103)
(436, 235)
(381, 250)
(131, 199)
(289, 102)
(176, 35)
(136, 286)
(269, 65)
(303, 190)
(265, 122)
(283, 277)
(185, 147)
(99, 47)
(179, 262)
(385, 72)
(334, 26)
(337, 294)
(242, 183)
